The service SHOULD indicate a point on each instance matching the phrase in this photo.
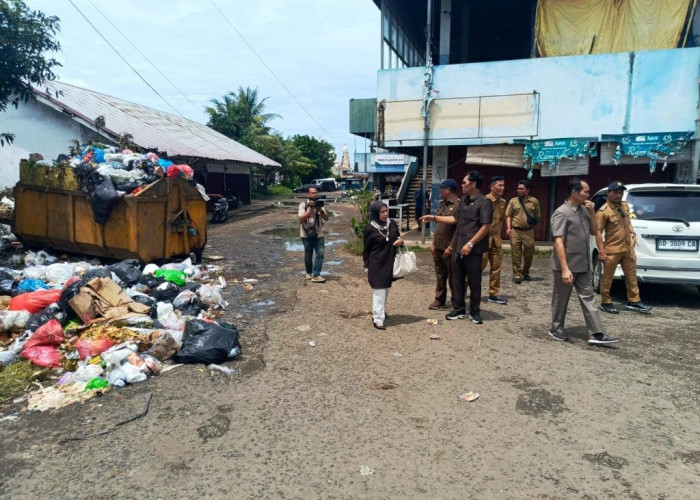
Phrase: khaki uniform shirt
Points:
(499, 214)
(614, 221)
(516, 212)
(444, 232)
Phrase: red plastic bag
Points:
(180, 171)
(43, 355)
(48, 334)
(34, 301)
(70, 281)
(88, 348)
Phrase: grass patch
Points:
(278, 190)
(17, 378)
(355, 246)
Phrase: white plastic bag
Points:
(13, 320)
(58, 274)
(35, 272)
(404, 263)
(211, 296)
(150, 269)
(168, 318)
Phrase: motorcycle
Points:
(220, 211)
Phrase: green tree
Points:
(25, 38)
(241, 116)
(319, 152)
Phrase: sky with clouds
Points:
(325, 52)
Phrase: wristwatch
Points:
(470, 244)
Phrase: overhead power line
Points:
(143, 55)
(124, 59)
(269, 68)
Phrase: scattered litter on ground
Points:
(303, 328)
(469, 396)
(396, 354)
(215, 258)
(434, 336)
(222, 369)
(431, 321)
(312, 343)
(366, 471)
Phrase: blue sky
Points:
(324, 51)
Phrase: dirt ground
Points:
(370, 414)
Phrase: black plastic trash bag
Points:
(69, 292)
(8, 287)
(165, 292)
(103, 199)
(188, 303)
(52, 311)
(99, 272)
(129, 271)
(192, 286)
(147, 301)
(150, 281)
(208, 343)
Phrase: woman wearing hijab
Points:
(381, 240)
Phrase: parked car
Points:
(303, 188)
(666, 219)
(328, 184)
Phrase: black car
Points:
(303, 188)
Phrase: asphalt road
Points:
(369, 414)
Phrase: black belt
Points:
(522, 228)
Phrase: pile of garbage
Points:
(98, 326)
(109, 173)
(7, 209)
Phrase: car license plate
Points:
(679, 245)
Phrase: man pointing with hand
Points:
(572, 225)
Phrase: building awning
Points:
(502, 155)
(651, 147)
(550, 153)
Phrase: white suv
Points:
(666, 218)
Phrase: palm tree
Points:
(241, 116)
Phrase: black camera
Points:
(316, 203)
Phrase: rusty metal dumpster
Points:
(167, 218)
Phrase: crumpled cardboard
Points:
(103, 300)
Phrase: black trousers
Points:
(468, 267)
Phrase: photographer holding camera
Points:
(312, 215)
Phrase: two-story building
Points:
(546, 89)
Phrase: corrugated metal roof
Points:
(150, 128)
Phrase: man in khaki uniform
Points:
(495, 254)
(521, 213)
(440, 247)
(613, 219)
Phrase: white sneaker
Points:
(318, 279)
(308, 276)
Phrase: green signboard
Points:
(550, 152)
(655, 147)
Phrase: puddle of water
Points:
(333, 263)
(336, 242)
(283, 232)
(264, 303)
(294, 246)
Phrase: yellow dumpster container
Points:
(166, 219)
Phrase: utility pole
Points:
(696, 145)
(428, 96)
